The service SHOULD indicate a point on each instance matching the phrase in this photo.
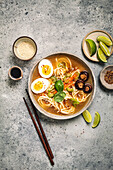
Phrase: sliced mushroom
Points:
(84, 75)
(87, 88)
(79, 84)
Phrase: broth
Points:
(75, 63)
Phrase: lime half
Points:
(96, 120)
(105, 40)
(104, 48)
(91, 46)
(87, 116)
(101, 56)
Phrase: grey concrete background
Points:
(56, 26)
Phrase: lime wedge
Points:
(87, 116)
(91, 46)
(96, 120)
(101, 56)
(104, 48)
(105, 40)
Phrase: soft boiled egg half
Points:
(39, 85)
(45, 68)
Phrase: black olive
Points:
(79, 84)
(87, 88)
(84, 75)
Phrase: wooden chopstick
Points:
(39, 134)
(40, 126)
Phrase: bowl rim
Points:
(28, 38)
(54, 116)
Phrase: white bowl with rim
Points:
(55, 116)
(24, 48)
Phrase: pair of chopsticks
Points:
(40, 132)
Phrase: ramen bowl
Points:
(83, 66)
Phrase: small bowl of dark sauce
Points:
(15, 73)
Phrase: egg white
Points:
(45, 62)
(45, 85)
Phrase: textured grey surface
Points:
(56, 26)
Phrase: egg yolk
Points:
(38, 86)
(46, 70)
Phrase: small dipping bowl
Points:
(15, 73)
(102, 74)
(24, 48)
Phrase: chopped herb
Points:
(59, 85)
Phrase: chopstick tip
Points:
(52, 163)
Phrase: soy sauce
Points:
(15, 73)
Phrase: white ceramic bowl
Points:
(24, 48)
(21, 73)
(102, 74)
(61, 117)
(93, 35)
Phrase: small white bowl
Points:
(93, 35)
(13, 78)
(102, 74)
(24, 48)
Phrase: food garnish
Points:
(51, 88)
(105, 40)
(84, 75)
(50, 94)
(87, 116)
(79, 84)
(101, 56)
(45, 68)
(59, 85)
(87, 88)
(69, 84)
(91, 46)
(39, 85)
(54, 79)
(96, 120)
(104, 48)
(75, 102)
(66, 79)
(59, 96)
(68, 75)
(72, 77)
(63, 94)
(109, 77)
(69, 89)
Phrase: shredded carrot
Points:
(71, 82)
(73, 77)
(43, 94)
(55, 92)
(68, 84)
